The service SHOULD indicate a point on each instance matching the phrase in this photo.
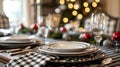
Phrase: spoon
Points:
(106, 61)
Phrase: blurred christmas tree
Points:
(76, 10)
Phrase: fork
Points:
(22, 51)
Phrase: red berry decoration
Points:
(116, 36)
(86, 36)
(35, 26)
(63, 29)
(21, 25)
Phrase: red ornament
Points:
(21, 25)
(86, 36)
(116, 36)
(35, 26)
(63, 29)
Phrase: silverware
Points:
(25, 50)
(18, 49)
(2, 51)
(106, 61)
(28, 47)
(9, 50)
(13, 50)
(20, 52)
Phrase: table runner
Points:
(31, 59)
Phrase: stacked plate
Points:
(16, 41)
(68, 50)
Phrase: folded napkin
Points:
(31, 59)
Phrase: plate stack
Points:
(17, 41)
(69, 52)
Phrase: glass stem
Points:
(97, 44)
(98, 38)
(117, 46)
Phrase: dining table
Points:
(109, 53)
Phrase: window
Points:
(13, 10)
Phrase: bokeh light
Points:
(62, 2)
(79, 16)
(97, 1)
(76, 6)
(94, 4)
(70, 5)
(72, 0)
(87, 9)
(65, 20)
(85, 4)
(74, 13)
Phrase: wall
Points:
(1, 6)
(113, 7)
(26, 12)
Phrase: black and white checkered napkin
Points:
(32, 59)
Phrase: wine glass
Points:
(97, 25)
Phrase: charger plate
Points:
(93, 57)
(89, 54)
(15, 42)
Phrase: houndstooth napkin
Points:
(32, 59)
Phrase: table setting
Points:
(54, 53)
(61, 53)
(72, 52)
(18, 41)
(18, 44)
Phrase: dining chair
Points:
(112, 24)
(4, 22)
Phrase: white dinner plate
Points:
(19, 37)
(14, 42)
(16, 39)
(17, 45)
(80, 53)
(67, 46)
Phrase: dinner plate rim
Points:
(14, 42)
(12, 46)
(48, 51)
(68, 50)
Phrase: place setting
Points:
(63, 52)
(18, 44)
(18, 41)
(81, 52)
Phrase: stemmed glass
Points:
(97, 25)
